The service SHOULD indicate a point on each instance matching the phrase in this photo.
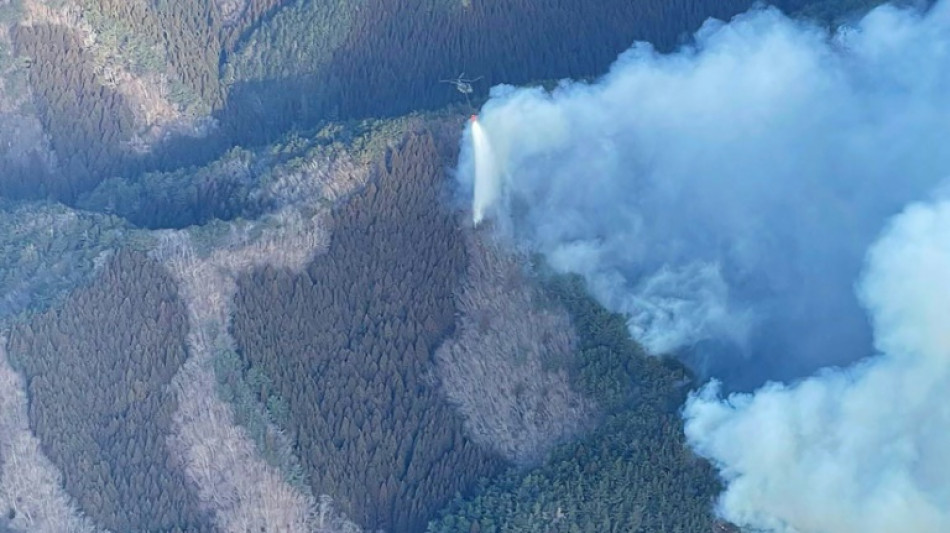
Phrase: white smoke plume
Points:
(723, 196)
(866, 448)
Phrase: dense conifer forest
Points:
(236, 290)
(65, 85)
(348, 346)
(100, 366)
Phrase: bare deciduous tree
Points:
(503, 368)
(233, 480)
(329, 176)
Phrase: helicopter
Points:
(462, 84)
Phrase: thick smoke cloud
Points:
(723, 196)
(727, 197)
(866, 448)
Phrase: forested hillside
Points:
(122, 88)
(245, 183)
(236, 295)
(47, 249)
(65, 84)
(350, 376)
(633, 473)
(348, 347)
(98, 370)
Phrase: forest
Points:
(366, 317)
(100, 365)
(238, 293)
(124, 88)
(340, 356)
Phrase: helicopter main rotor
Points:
(462, 84)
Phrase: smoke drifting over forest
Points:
(723, 196)
(727, 198)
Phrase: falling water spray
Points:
(486, 174)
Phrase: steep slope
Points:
(31, 487)
(351, 359)
(241, 462)
(506, 366)
(634, 473)
(124, 87)
(98, 370)
(222, 459)
(398, 51)
(26, 158)
(348, 348)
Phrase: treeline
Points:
(89, 122)
(633, 474)
(348, 348)
(297, 41)
(320, 59)
(46, 250)
(86, 120)
(98, 371)
(396, 52)
(187, 196)
(191, 34)
(244, 183)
